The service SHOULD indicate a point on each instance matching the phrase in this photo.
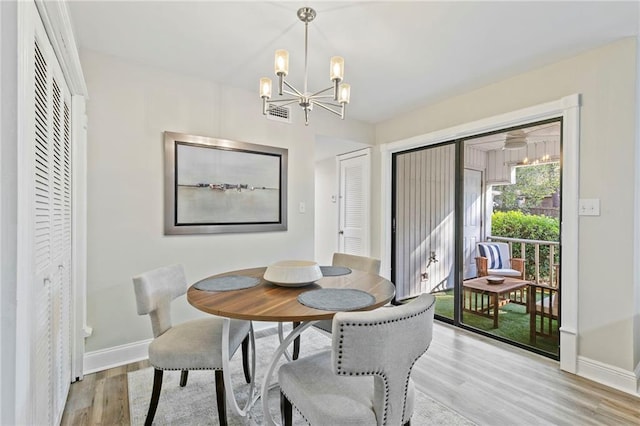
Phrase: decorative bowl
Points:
(494, 279)
(293, 273)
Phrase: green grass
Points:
(513, 322)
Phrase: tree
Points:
(533, 183)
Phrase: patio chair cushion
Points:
(492, 252)
(505, 272)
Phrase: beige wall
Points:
(129, 108)
(326, 214)
(606, 79)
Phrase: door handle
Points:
(341, 232)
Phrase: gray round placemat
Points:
(336, 299)
(334, 271)
(228, 283)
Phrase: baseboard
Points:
(608, 375)
(115, 356)
(568, 350)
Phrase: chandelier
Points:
(334, 102)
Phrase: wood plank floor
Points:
(488, 382)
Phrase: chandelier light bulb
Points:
(337, 69)
(265, 87)
(282, 62)
(344, 93)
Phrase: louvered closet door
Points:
(52, 232)
(43, 237)
(354, 204)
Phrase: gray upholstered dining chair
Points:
(192, 345)
(361, 263)
(364, 379)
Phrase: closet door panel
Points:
(42, 233)
(51, 233)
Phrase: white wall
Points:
(8, 206)
(606, 78)
(636, 256)
(327, 210)
(129, 108)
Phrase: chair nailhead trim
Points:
(187, 369)
(294, 406)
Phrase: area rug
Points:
(195, 404)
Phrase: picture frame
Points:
(217, 186)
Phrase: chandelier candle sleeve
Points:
(265, 93)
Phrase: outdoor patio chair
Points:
(365, 378)
(192, 345)
(544, 304)
(495, 259)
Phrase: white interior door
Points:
(354, 207)
(472, 219)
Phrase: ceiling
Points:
(398, 55)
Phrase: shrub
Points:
(515, 224)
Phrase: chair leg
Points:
(286, 411)
(221, 399)
(183, 378)
(245, 359)
(155, 396)
(296, 343)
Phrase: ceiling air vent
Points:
(279, 113)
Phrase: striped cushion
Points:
(492, 253)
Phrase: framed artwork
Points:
(218, 186)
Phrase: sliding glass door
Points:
(499, 191)
(424, 224)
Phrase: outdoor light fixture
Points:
(341, 91)
(515, 140)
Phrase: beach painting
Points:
(225, 186)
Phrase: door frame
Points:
(567, 108)
(483, 206)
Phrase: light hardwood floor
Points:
(488, 382)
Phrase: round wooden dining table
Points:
(270, 302)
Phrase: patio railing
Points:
(553, 246)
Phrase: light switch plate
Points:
(302, 207)
(589, 207)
